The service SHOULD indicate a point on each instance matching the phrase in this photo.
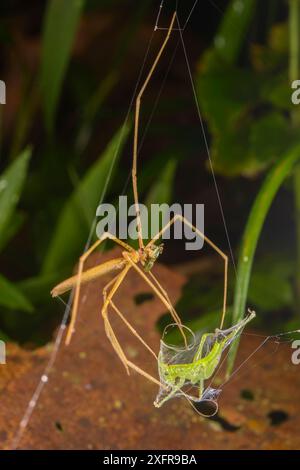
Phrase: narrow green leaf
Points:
(252, 232)
(72, 229)
(11, 297)
(230, 37)
(11, 185)
(61, 22)
(12, 227)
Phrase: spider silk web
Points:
(47, 379)
(263, 348)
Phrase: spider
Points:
(141, 260)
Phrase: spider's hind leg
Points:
(82, 260)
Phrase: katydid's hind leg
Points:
(201, 388)
(82, 260)
(209, 242)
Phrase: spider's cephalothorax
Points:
(151, 254)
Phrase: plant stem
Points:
(294, 28)
(260, 209)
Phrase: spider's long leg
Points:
(82, 260)
(128, 364)
(136, 132)
(122, 316)
(133, 330)
(111, 335)
(211, 243)
(160, 295)
(108, 328)
(164, 292)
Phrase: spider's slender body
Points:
(147, 259)
(141, 260)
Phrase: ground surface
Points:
(90, 402)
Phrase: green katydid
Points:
(174, 375)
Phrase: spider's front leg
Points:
(161, 293)
(207, 240)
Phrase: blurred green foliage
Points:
(247, 104)
(247, 108)
(245, 93)
(11, 185)
(77, 215)
(61, 23)
(49, 192)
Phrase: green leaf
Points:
(270, 286)
(252, 232)
(242, 105)
(77, 215)
(274, 294)
(270, 136)
(227, 95)
(278, 93)
(12, 228)
(61, 23)
(272, 55)
(11, 297)
(233, 29)
(242, 143)
(11, 185)
(225, 92)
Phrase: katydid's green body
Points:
(202, 367)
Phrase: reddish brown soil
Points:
(90, 402)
